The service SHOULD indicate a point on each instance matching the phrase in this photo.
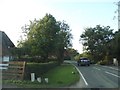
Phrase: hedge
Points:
(38, 68)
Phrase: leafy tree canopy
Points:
(46, 37)
(96, 41)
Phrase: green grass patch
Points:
(60, 76)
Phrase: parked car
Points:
(83, 61)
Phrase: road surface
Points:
(98, 76)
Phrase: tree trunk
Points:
(60, 56)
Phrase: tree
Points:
(41, 36)
(72, 53)
(84, 54)
(63, 40)
(46, 37)
(97, 41)
(115, 45)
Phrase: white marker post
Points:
(32, 77)
(46, 80)
(39, 79)
(115, 62)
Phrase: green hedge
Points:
(38, 68)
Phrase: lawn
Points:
(60, 76)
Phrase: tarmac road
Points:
(98, 76)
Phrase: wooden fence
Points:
(14, 71)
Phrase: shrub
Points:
(104, 62)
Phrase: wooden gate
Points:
(15, 70)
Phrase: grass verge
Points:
(60, 76)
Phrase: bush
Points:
(77, 57)
(104, 62)
(38, 68)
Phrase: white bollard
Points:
(32, 77)
(39, 79)
(115, 62)
(46, 80)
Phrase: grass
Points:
(60, 76)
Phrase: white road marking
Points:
(81, 76)
(96, 68)
(112, 74)
(111, 67)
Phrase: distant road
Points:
(97, 76)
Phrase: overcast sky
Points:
(79, 14)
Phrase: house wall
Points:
(5, 47)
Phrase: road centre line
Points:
(81, 76)
(96, 68)
(112, 74)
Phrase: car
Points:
(83, 61)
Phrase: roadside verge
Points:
(82, 83)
